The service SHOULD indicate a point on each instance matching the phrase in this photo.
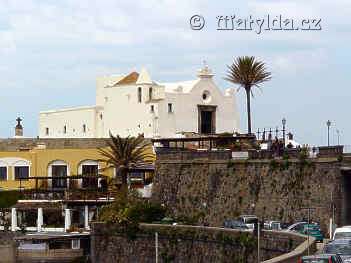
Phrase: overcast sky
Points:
(51, 52)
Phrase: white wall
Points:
(124, 115)
(73, 119)
(185, 105)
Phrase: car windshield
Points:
(342, 235)
(316, 260)
(250, 220)
(343, 249)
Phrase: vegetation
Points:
(8, 198)
(248, 73)
(126, 153)
(127, 211)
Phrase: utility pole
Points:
(328, 125)
(156, 246)
(309, 208)
(258, 241)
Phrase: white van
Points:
(342, 232)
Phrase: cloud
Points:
(52, 48)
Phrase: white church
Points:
(135, 104)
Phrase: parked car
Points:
(342, 232)
(321, 258)
(235, 224)
(249, 220)
(296, 226)
(314, 231)
(341, 247)
(272, 225)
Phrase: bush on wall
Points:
(127, 211)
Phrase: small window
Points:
(150, 93)
(152, 108)
(47, 131)
(84, 128)
(139, 95)
(21, 172)
(170, 107)
(65, 129)
(100, 116)
(3, 173)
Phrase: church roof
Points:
(184, 86)
(144, 77)
(131, 78)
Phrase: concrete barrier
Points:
(7, 253)
(298, 252)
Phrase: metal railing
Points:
(347, 149)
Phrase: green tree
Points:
(248, 73)
(126, 153)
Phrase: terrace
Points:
(238, 147)
(78, 187)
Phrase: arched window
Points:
(139, 95)
(65, 129)
(84, 128)
(150, 93)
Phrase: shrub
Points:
(9, 198)
(131, 210)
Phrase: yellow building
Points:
(25, 158)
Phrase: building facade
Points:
(21, 160)
(135, 104)
(61, 183)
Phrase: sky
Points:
(52, 51)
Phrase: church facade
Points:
(135, 104)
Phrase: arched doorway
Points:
(90, 169)
(60, 170)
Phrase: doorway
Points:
(59, 171)
(206, 119)
(346, 198)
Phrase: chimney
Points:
(18, 128)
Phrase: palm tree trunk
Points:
(248, 106)
(123, 174)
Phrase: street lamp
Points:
(338, 133)
(328, 125)
(284, 122)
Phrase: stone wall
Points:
(209, 190)
(187, 244)
(7, 247)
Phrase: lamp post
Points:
(338, 133)
(284, 122)
(328, 125)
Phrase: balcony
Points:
(67, 188)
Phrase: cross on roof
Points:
(19, 120)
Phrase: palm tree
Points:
(248, 73)
(125, 153)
